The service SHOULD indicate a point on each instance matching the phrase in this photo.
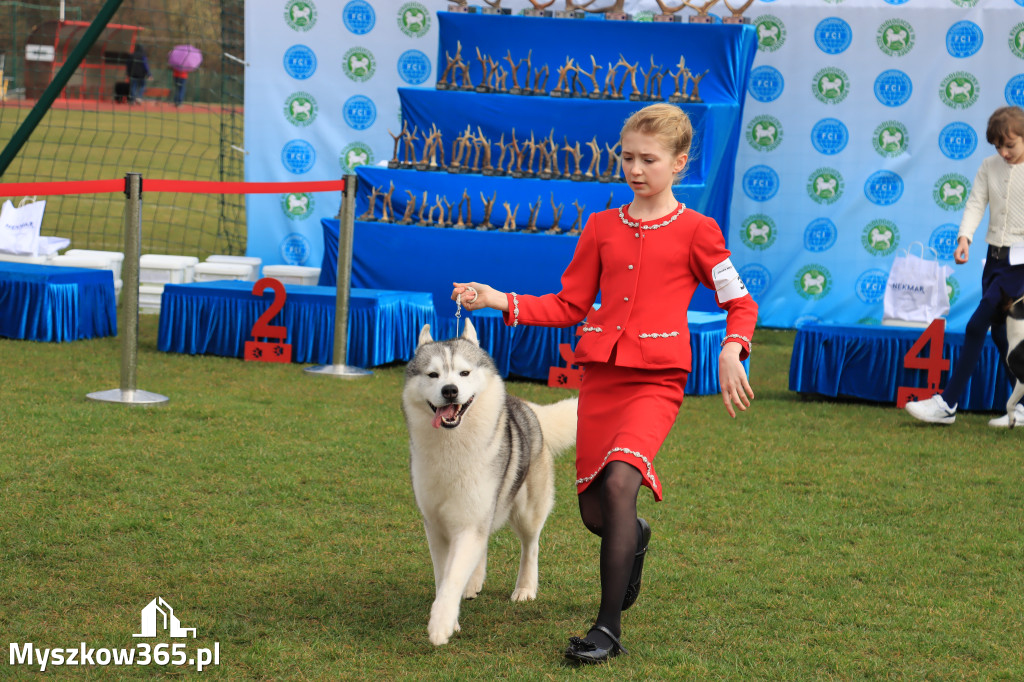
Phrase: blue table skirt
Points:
(860, 361)
(51, 303)
(216, 318)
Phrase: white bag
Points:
(916, 292)
(19, 227)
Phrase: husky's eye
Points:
(433, 375)
(464, 373)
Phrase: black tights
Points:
(608, 510)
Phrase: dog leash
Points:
(458, 307)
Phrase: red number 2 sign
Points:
(933, 364)
(275, 350)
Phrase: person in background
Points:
(138, 72)
(999, 185)
(645, 259)
(180, 78)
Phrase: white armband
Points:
(728, 284)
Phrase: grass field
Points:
(807, 540)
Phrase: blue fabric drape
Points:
(216, 318)
(50, 303)
(866, 362)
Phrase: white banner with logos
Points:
(321, 94)
(864, 127)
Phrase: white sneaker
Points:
(1004, 421)
(934, 410)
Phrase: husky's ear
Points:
(469, 333)
(425, 336)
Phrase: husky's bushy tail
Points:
(558, 424)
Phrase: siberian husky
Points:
(1015, 356)
(479, 458)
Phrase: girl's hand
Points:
(733, 379)
(486, 297)
(963, 250)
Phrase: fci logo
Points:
(895, 37)
(891, 138)
(300, 15)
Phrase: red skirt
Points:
(625, 415)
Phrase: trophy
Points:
(678, 95)
(500, 76)
(513, 149)
(614, 163)
(649, 76)
(572, 10)
(695, 93)
(460, 6)
(613, 12)
(561, 88)
(577, 174)
(367, 215)
(520, 156)
(488, 207)
(595, 159)
(410, 206)
(460, 147)
(495, 8)
(534, 147)
(737, 13)
(486, 64)
(460, 224)
(556, 211)
(544, 168)
(510, 218)
(702, 16)
(636, 94)
(432, 146)
(539, 9)
(421, 219)
(577, 226)
(487, 169)
(410, 153)
(450, 62)
(514, 68)
(388, 211)
(595, 93)
(668, 13)
(531, 223)
(539, 86)
(394, 162)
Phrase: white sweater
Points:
(1000, 186)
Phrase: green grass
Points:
(806, 540)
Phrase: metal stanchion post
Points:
(130, 300)
(346, 227)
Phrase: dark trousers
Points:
(1000, 284)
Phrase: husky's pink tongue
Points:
(445, 412)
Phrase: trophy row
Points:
(459, 215)
(614, 11)
(574, 78)
(527, 158)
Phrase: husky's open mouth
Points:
(449, 416)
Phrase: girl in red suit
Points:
(645, 259)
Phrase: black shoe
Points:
(585, 651)
(633, 589)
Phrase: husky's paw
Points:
(442, 625)
(524, 594)
(473, 589)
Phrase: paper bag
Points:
(19, 227)
(916, 291)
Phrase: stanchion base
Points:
(136, 397)
(343, 371)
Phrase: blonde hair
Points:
(667, 123)
(1003, 122)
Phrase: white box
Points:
(252, 261)
(34, 260)
(96, 262)
(149, 298)
(211, 272)
(160, 268)
(116, 258)
(293, 274)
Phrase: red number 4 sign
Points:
(933, 364)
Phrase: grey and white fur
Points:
(1015, 355)
(478, 458)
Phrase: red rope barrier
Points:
(12, 189)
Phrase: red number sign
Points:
(269, 351)
(568, 376)
(933, 364)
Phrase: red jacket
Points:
(646, 278)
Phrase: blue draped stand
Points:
(51, 303)
(866, 362)
(216, 318)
